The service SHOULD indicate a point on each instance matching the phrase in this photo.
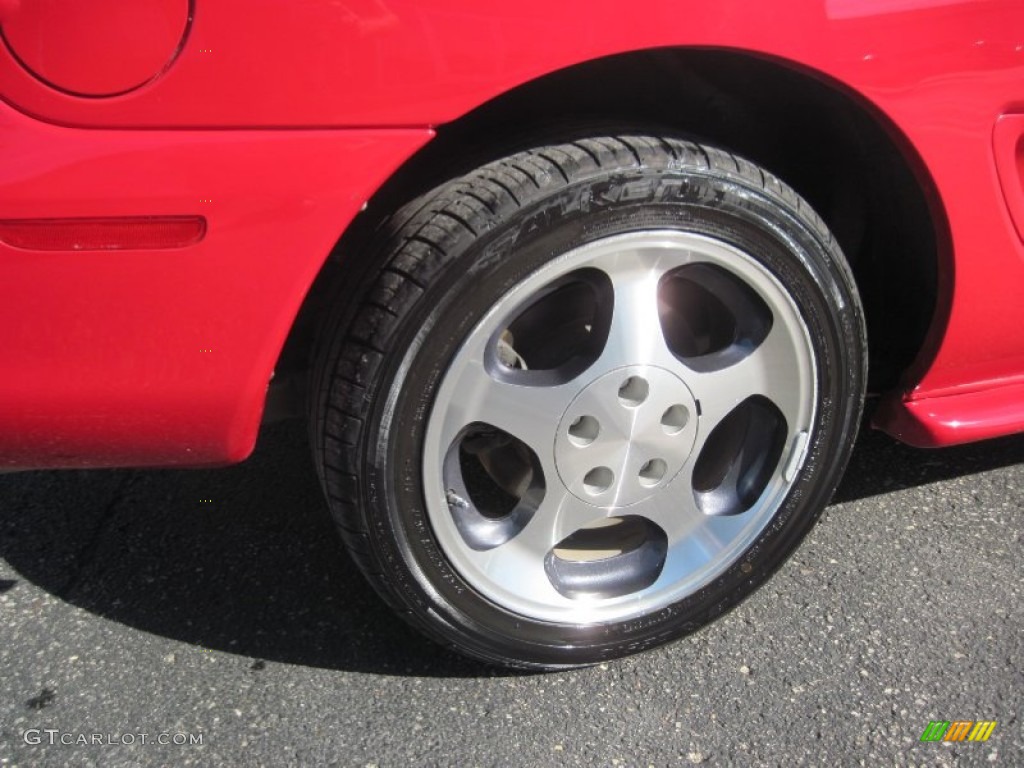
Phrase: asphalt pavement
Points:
(212, 618)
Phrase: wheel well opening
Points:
(821, 140)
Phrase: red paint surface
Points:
(150, 357)
(1008, 142)
(126, 327)
(937, 421)
(95, 47)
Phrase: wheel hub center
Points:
(625, 436)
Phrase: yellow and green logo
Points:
(958, 730)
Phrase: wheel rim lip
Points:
(670, 587)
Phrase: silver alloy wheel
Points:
(636, 473)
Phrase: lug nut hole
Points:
(674, 419)
(652, 472)
(598, 480)
(633, 391)
(584, 431)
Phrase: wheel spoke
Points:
(516, 569)
(703, 547)
(518, 564)
(674, 511)
(771, 370)
(530, 414)
(560, 515)
(635, 336)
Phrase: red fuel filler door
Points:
(94, 47)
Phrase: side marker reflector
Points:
(140, 233)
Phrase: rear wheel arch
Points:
(830, 144)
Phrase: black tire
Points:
(441, 263)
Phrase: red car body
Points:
(174, 177)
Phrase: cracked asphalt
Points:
(219, 605)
